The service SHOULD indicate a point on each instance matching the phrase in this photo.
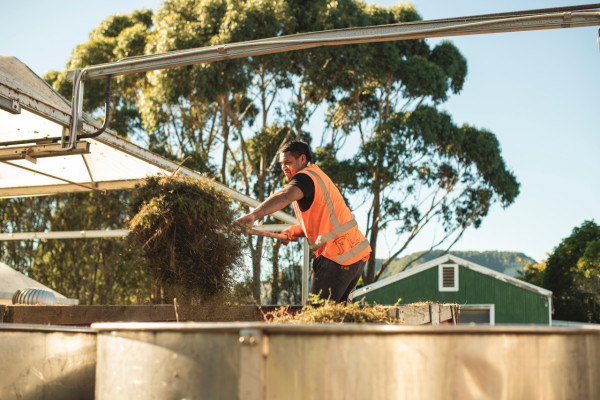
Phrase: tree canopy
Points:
(572, 273)
(382, 139)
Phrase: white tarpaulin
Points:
(112, 162)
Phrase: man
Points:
(340, 248)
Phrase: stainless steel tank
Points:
(46, 362)
(262, 361)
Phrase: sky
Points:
(536, 91)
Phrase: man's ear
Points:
(303, 159)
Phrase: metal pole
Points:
(104, 233)
(115, 233)
(305, 270)
(76, 111)
(565, 17)
(402, 31)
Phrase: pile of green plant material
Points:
(318, 311)
(184, 229)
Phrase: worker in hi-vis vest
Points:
(340, 248)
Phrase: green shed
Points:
(485, 296)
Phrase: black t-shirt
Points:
(306, 184)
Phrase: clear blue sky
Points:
(537, 91)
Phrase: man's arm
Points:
(274, 203)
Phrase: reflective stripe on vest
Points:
(321, 240)
(338, 229)
(348, 255)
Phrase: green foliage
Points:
(453, 64)
(113, 26)
(587, 280)
(572, 274)
(534, 273)
(343, 172)
(94, 271)
(22, 215)
(183, 228)
(116, 37)
(414, 165)
(290, 285)
(320, 311)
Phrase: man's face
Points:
(291, 165)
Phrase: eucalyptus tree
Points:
(22, 215)
(116, 37)
(188, 110)
(255, 160)
(95, 271)
(413, 166)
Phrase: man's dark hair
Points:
(297, 148)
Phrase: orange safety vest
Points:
(328, 224)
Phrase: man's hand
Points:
(289, 236)
(293, 233)
(247, 220)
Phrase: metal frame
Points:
(305, 269)
(32, 153)
(65, 235)
(550, 18)
(100, 233)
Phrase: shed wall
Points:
(514, 305)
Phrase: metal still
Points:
(264, 361)
(46, 362)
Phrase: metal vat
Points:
(46, 362)
(263, 361)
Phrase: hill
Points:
(506, 262)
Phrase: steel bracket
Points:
(10, 105)
(32, 153)
(254, 349)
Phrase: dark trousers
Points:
(335, 282)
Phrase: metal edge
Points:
(44, 328)
(236, 327)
